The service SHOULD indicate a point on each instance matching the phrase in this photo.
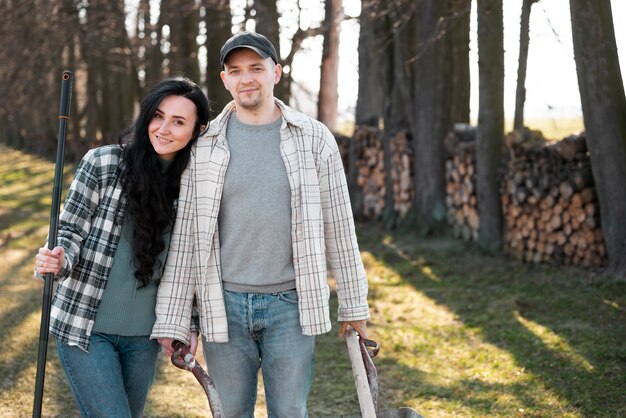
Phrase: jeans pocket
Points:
(290, 296)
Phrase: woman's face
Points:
(171, 127)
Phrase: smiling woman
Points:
(112, 248)
(172, 126)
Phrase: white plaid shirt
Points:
(322, 230)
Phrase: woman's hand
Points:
(49, 261)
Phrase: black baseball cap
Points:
(252, 40)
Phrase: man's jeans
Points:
(264, 332)
(113, 378)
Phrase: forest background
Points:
(421, 67)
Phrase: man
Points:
(263, 207)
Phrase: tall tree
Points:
(431, 112)
(329, 72)
(217, 20)
(119, 80)
(96, 65)
(147, 46)
(604, 112)
(459, 28)
(490, 130)
(35, 48)
(524, 41)
(182, 17)
(369, 105)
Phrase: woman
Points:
(114, 233)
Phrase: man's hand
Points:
(359, 326)
(167, 344)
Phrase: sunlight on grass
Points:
(435, 354)
(554, 342)
(428, 272)
(613, 304)
(461, 334)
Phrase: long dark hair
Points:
(150, 193)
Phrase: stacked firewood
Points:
(369, 165)
(461, 202)
(549, 202)
(402, 172)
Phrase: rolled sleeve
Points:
(342, 250)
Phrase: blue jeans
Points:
(113, 378)
(264, 333)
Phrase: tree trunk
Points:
(431, 113)
(369, 104)
(95, 64)
(153, 60)
(329, 71)
(397, 72)
(118, 91)
(604, 111)
(460, 66)
(490, 131)
(520, 91)
(182, 17)
(394, 59)
(217, 18)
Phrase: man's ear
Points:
(223, 77)
(278, 72)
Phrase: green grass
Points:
(462, 334)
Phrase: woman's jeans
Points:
(264, 332)
(113, 378)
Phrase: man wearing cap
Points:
(263, 209)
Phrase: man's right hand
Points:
(167, 344)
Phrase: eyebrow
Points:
(174, 116)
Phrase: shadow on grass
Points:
(560, 324)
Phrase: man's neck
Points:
(261, 116)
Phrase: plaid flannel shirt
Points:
(89, 230)
(322, 229)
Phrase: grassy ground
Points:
(462, 334)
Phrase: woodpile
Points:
(402, 172)
(549, 202)
(369, 163)
(461, 201)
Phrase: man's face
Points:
(250, 79)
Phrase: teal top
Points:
(127, 309)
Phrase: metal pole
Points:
(66, 90)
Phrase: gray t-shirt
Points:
(255, 212)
